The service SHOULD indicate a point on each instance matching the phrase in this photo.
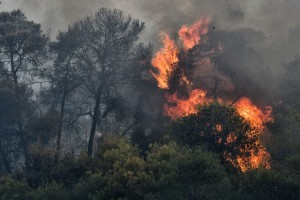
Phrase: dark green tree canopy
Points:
(222, 130)
(22, 42)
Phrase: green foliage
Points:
(284, 140)
(20, 37)
(123, 170)
(42, 162)
(168, 171)
(13, 190)
(50, 191)
(221, 129)
(91, 69)
(293, 163)
(183, 173)
(67, 171)
(71, 169)
(201, 128)
(268, 184)
(88, 187)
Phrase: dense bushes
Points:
(169, 171)
(118, 171)
(185, 165)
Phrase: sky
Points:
(271, 27)
(275, 18)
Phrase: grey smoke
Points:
(270, 28)
(273, 17)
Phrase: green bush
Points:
(51, 191)
(14, 190)
(183, 173)
(268, 184)
(87, 188)
(123, 170)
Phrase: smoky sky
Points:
(276, 19)
(270, 28)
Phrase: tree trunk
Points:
(94, 122)
(19, 112)
(62, 108)
(61, 118)
(4, 159)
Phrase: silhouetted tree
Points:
(65, 77)
(106, 53)
(22, 45)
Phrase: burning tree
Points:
(191, 76)
(223, 130)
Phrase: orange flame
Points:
(254, 160)
(164, 61)
(191, 36)
(257, 118)
(219, 128)
(230, 138)
(253, 114)
(185, 107)
(166, 58)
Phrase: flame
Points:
(184, 107)
(256, 116)
(230, 138)
(177, 107)
(191, 36)
(165, 60)
(219, 128)
(255, 160)
(254, 157)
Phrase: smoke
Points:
(274, 17)
(261, 35)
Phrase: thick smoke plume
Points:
(261, 36)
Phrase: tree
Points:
(65, 77)
(106, 56)
(12, 189)
(222, 130)
(267, 184)
(10, 149)
(180, 172)
(123, 170)
(7, 126)
(22, 45)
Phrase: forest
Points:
(98, 114)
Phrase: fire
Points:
(166, 58)
(230, 138)
(191, 36)
(177, 107)
(165, 62)
(253, 114)
(255, 160)
(219, 128)
(257, 118)
(185, 107)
